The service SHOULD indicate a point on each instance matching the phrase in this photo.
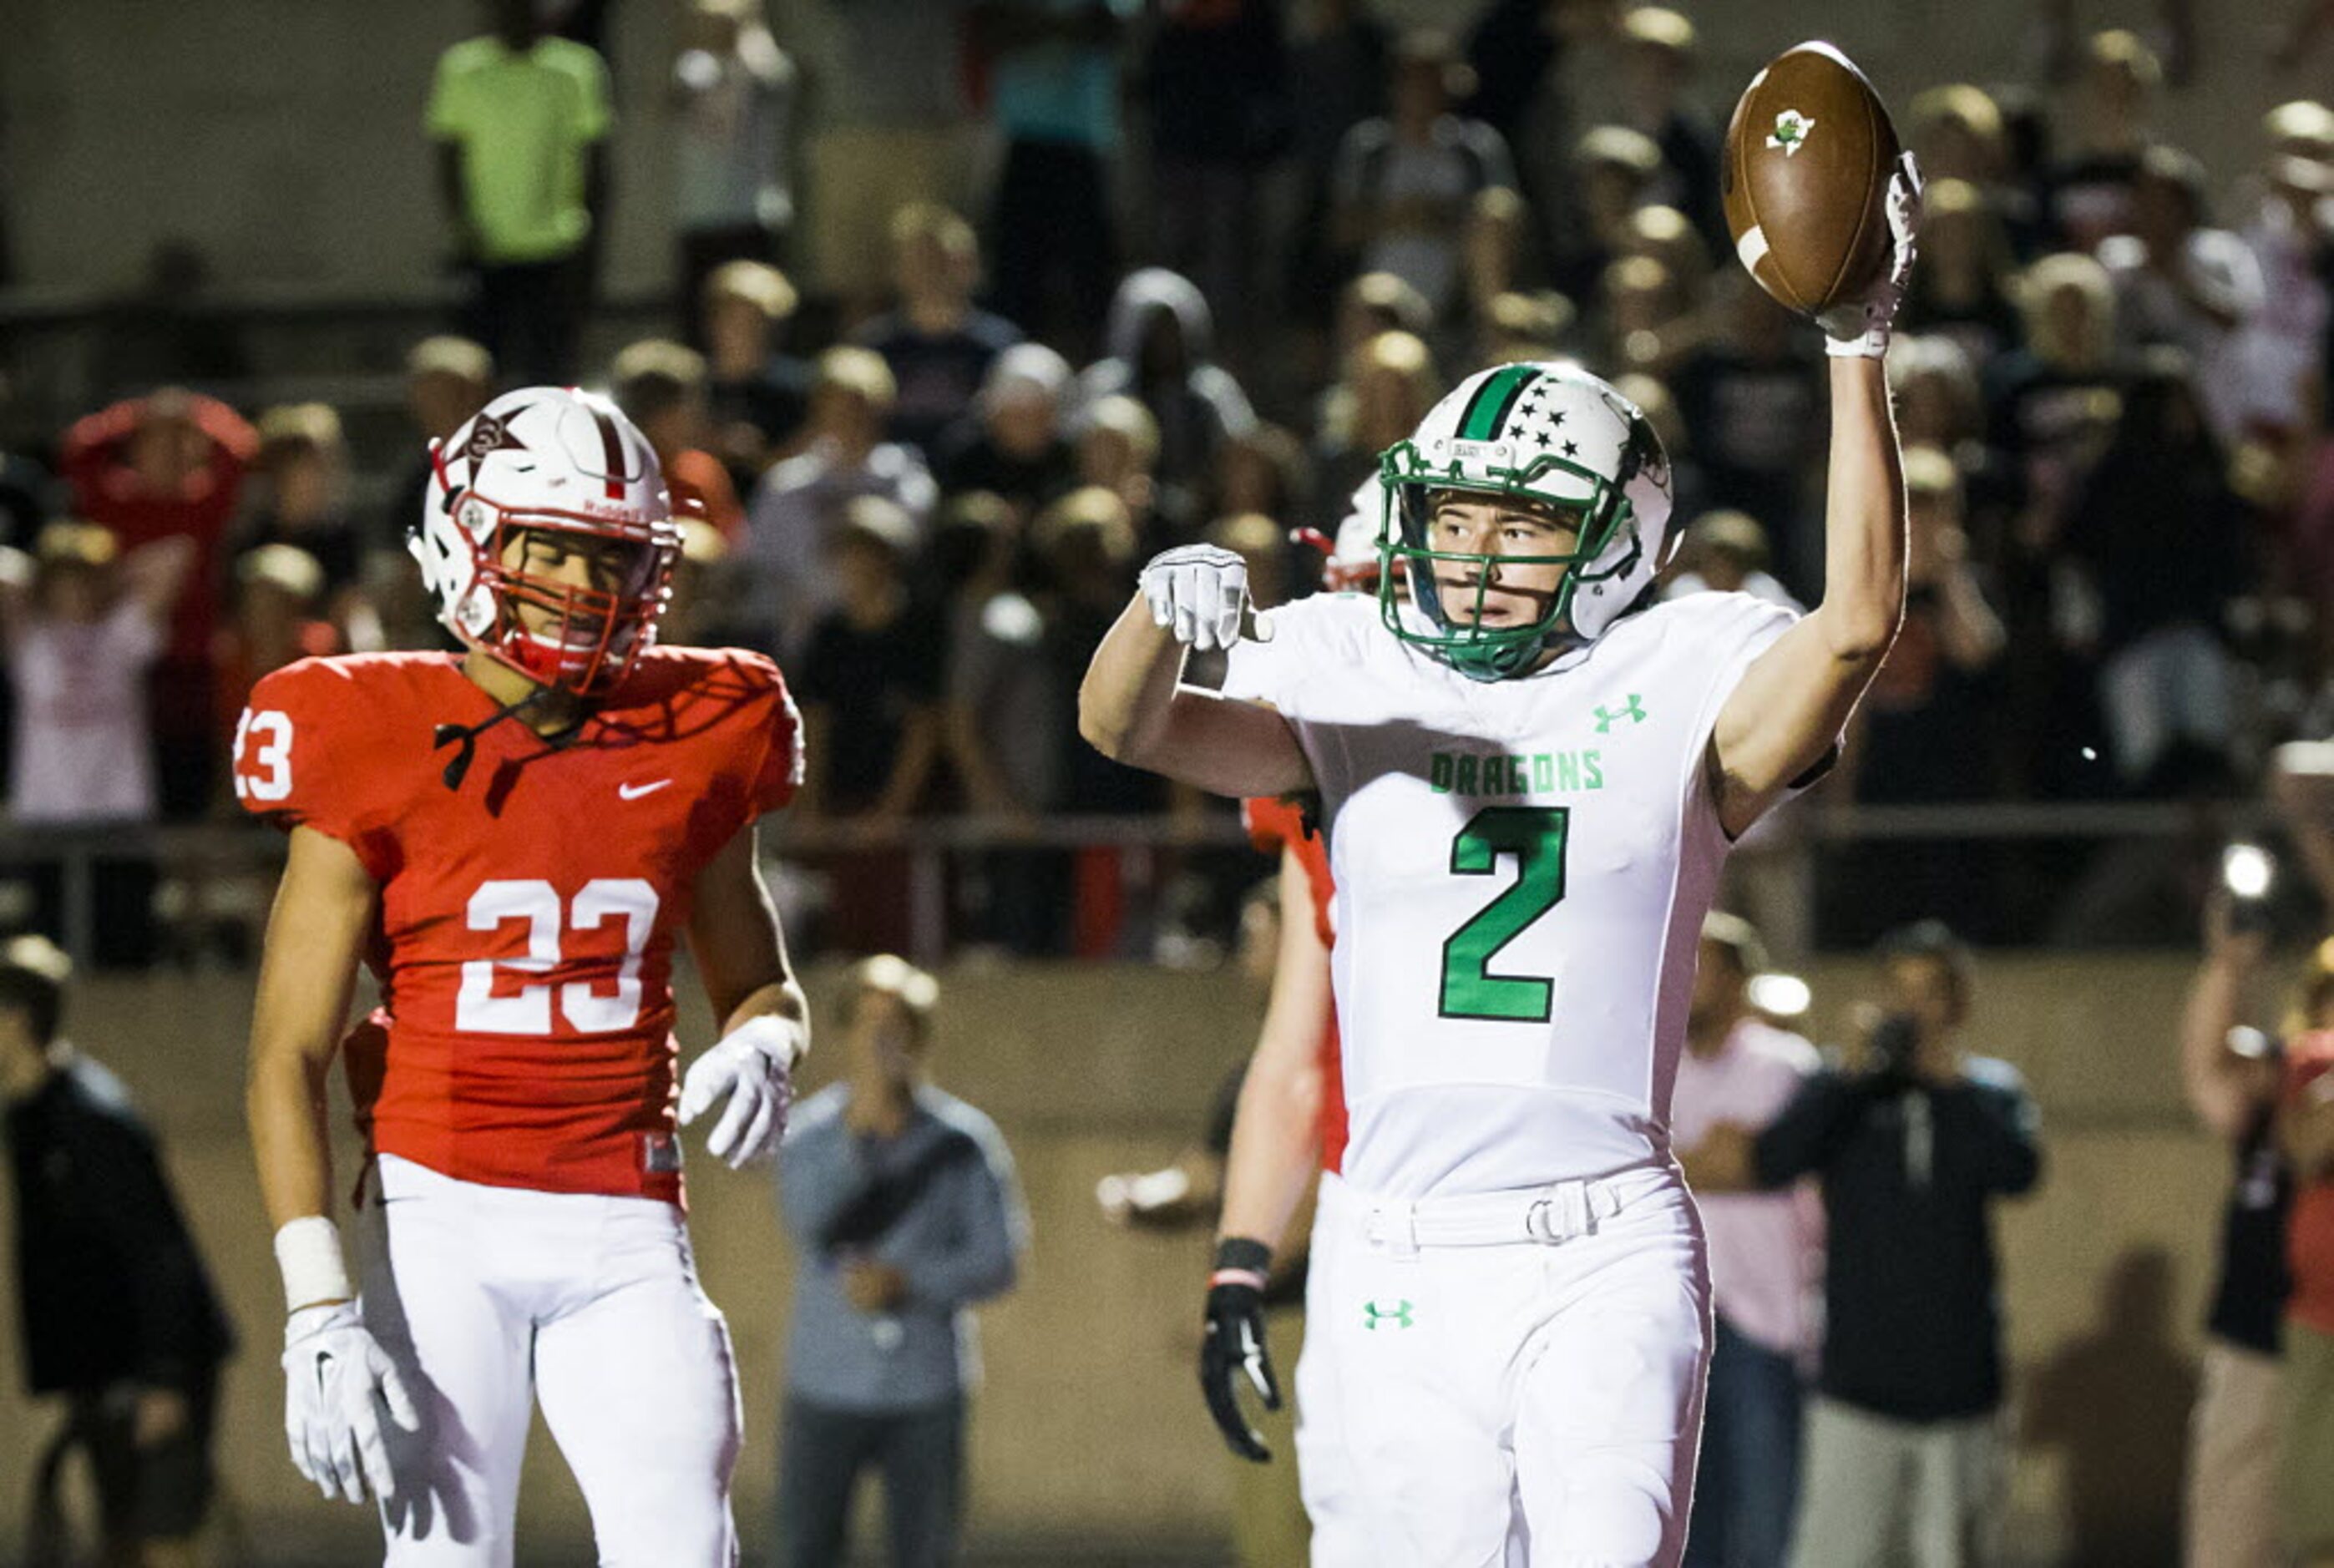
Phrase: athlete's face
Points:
(1513, 592)
(557, 558)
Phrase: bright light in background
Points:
(2246, 869)
(1779, 996)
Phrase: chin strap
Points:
(464, 738)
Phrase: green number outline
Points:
(1536, 836)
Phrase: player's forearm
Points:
(284, 1103)
(1864, 521)
(1129, 689)
(1788, 711)
(323, 910)
(1277, 1125)
(1276, 1150)
(735, 936)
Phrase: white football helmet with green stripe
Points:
(1551, 433)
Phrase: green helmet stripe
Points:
(1488, 410)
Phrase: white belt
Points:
(1544, 1215)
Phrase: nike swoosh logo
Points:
(632, 792)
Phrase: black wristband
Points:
(1242, 1253)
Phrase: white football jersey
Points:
(1522, 867)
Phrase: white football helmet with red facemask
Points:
(557, 461)
(1354, 560)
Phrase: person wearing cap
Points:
(1765, 1256)
(120, 1319)
(905, 1211)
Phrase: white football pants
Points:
(1510, 1378)
(492, 1297)
(1324, 1473)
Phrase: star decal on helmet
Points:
(491, 432)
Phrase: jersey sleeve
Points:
(1271, 824)
(779, 772)
(1277, 672)
(299, 751)
(1726, 635)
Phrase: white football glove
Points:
(336, 1379)
(1859, 328)
(1199, 593)
(754, 1065)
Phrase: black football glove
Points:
(1234, 1344)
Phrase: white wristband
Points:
(308, 1253)
(1872, 343)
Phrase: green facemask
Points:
(1477, 651)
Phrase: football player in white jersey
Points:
(1530, 773)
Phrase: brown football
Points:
(1806, 178)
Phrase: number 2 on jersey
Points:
(1535, 835)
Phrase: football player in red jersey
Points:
(1290, 1123)
(512, 838)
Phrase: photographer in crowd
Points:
(2303, 783)
(905, 1212)
(1905, 1446)
(2231, 1074)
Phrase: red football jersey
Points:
(1272, 823)
(524, 938)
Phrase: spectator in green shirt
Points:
(520, 120)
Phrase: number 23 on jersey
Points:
(484, 1007)
(263, 756)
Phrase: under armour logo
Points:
(1633, 712)
(1379, 1316)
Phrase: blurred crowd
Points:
(924, 426)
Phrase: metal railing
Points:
(66, 862)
